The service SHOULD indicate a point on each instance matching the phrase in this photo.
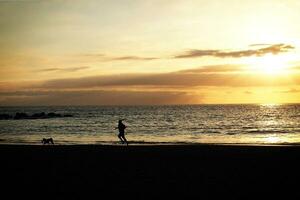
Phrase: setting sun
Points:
(269, 64)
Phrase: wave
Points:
(268, 131)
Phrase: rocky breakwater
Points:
(42, 115)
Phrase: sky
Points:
(136, 52)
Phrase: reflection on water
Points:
(255, 124)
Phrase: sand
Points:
(148, 172)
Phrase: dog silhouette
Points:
(47, 141)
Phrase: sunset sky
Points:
(109, 52)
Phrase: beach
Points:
(150, 171)
(150, 99)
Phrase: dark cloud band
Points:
(273, 49)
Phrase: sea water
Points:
(222, 124)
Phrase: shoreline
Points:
(143, 143)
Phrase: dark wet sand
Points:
(148, 172)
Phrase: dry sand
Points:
(148, 172)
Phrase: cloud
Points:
(292, 90)
(141, 88)
(70, 69)
(215, 69)
(96, 98)
(105, 58)
(133, 58)
(259, 44)
(216, 75)
(265, 49)
(222, 75)
(49, 69)
(273, 49)
(197, 53)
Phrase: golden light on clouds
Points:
(194, 51)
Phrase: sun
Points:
(269, 64)
(272, 139)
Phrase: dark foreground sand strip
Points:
(79, 171)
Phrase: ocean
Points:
(169, 124)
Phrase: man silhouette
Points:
(121, 134)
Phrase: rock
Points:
(5, 116)
(51, 115)
(41, 115)
(21, 116)
(38, 115)
(68, 115)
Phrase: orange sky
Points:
(88, 52)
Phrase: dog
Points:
(47, 141)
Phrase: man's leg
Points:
(121, 138)
(124, 139)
